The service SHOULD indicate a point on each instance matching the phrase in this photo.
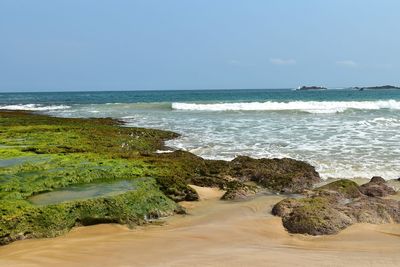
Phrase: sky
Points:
(70, 45)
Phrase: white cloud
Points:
(347, 63)
(281, 61)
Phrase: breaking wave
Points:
(34, 107)
(305, 106)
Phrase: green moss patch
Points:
(43, 154)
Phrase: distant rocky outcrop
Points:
(333, 207)
(305, 88)
(383, 87)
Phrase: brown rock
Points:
(239, 191)
(377, 187)
(377, 180)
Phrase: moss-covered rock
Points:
(316, 216)
(333, 207)
(177, 189)
(279, 175)
(132, 208)
(236, 190)
(40, 154)
(347, 188)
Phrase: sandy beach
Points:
(199, 133)
(215, 233)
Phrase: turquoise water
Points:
(282, 95)
(344, 133)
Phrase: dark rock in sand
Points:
(377, 187)
(374, 210)
(316, 217)
(177, 189)
(333, 207)
(239, 191)
(285, 207)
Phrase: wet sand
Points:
(215, 233)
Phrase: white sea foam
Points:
(34, 107)
(306, 106)
(353, 144)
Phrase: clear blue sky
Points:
(189, 44)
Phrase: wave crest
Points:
(34, 107)
(306, 106)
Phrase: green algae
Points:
(346, 187)
(132, 208)
(47, 154)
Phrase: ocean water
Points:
(343, 133)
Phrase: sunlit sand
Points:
(214, 233)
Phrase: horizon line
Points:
(164, 90)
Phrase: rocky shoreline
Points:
(64, 152)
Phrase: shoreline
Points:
(215, 233)
(43, 154)
(241, 230)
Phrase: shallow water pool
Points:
(80, 192)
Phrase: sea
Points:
(344, 133)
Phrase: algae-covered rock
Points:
(59, 152)
(239, 191)
(279, 175)
(333, 207)
(347, 188)
(131, 208)
(177, 189)
(316, 216)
